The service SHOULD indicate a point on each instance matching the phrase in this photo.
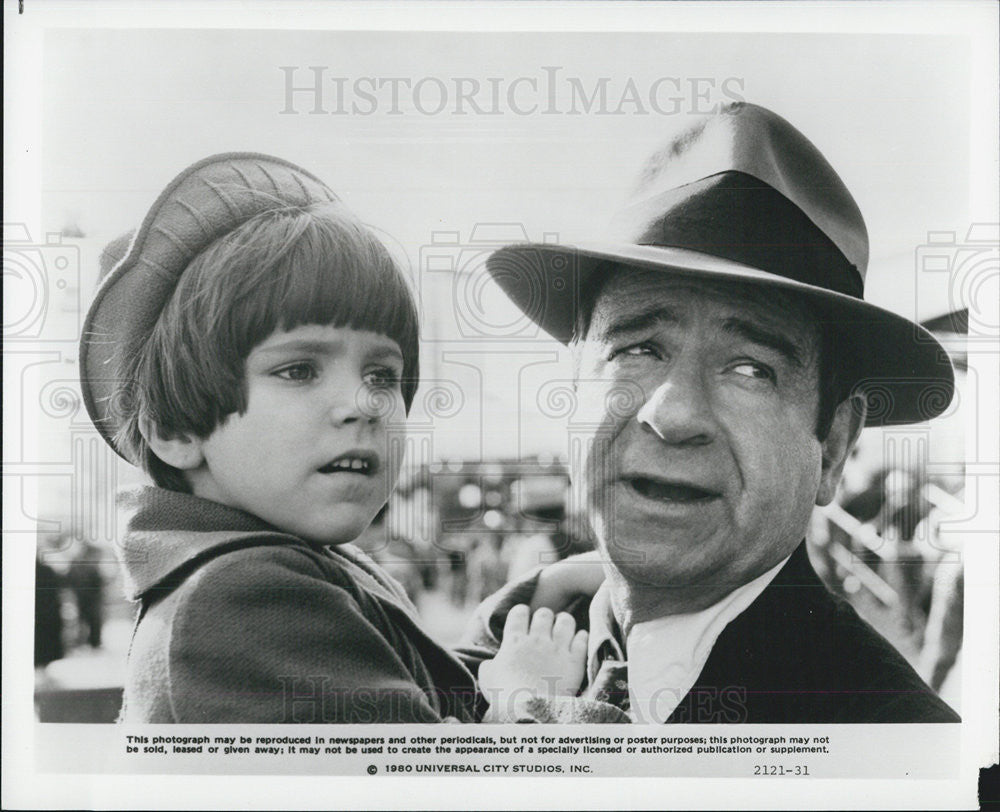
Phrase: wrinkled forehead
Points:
(626, 294)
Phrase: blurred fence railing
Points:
(864, 536)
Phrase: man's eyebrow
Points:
(632, 323)
(766, 337)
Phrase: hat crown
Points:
(751, 140)
(743, 196)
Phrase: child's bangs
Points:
(342, 275)
(321, 266)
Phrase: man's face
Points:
(702, 463)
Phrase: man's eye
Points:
(752, 369)
(643, 348)
(382, 378)
(297, 372)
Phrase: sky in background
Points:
(125, 110)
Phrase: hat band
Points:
(737, 217)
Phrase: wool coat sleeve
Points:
(262, 635)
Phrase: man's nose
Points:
(679, 409)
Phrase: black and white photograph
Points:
(446, 400)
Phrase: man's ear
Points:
(848, 420)
(179, 450)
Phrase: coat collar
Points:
(168, 531)
(606, 641)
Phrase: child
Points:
(255, 351)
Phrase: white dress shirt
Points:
(665, 655)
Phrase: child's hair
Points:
(281, 269)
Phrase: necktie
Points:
(611, 682)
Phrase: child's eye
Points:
(297, 372)
(382, 378)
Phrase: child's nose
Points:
(360, 404)
(347, 407)
(342, 415)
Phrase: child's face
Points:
(310, 454)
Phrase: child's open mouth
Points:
(354, 462)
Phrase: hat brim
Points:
(904, 370)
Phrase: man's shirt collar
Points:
(666, 654)
(603, 641)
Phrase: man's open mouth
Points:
(355, 462)
(670, 491)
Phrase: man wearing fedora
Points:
(722, 355)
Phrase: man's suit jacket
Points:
(797, 654)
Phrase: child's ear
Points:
(182, 451)
(845, 429)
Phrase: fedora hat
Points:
(742, 195)
(140, 270)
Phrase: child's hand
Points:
(546, 659)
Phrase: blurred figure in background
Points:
(527, 550)
(538, 537)
(904, 507)
(48, 614)
(486, 566)
(396, 555)
(86, 581)
(458, 572)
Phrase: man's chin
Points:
(653, 577)
(669, 547)
(706, 567)
(658, 568)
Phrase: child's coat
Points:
(240, 622)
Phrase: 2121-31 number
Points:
(778, 769)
